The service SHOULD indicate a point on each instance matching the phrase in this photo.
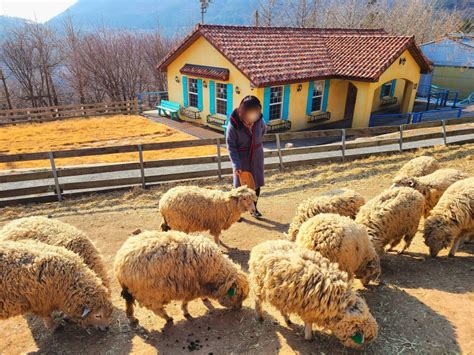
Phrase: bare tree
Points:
(270, 12)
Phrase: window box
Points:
(316, 117)
(190, 112)
(388, 100)
(281, 126)
(216, 120)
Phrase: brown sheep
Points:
(156, 268)
(193, 209)
(392, 215)
(56, 233)
(432, 186)
(342, 241)
(452, 219)
(39, 278)
(296, 280)
(345, 202)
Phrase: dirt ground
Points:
(91, 133)
(423, 305)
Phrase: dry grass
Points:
(93, 132)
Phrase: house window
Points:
(318, 90)
(276, 102)
(386, 89)
(193, 92)
(221, 99)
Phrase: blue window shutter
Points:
(392, 89)
(230, 105)
(286, 102)
(309, 103)
(199, 82)
(266, 104)
(185, 91)
(212, 97)
(325, 95)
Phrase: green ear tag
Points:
(231, 291)
(358, 338)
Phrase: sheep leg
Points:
(286, 318)
(184, 308)
(455, 246)
(164, 226)
(308, 331)
(258, 309)
(407, 241)
(160, 311)
(50, 323)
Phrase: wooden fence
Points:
(50, 183)
(53, 113)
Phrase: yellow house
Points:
(303, 77)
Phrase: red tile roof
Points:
(205, 71)
(277, 55)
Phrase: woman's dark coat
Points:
(245, 147)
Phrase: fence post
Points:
(142, 165)
(445, 138)
(343, 144)
(55, 176)
(219, 159)
(459, 113)
(280, 156)
(401, 138)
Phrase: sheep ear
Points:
(358, 338)
(85, 312)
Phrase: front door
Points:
(350, 102)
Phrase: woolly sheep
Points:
(156, 268)
(193, 209)
(432, 186)
(345, 202)
(38, 278)
(452, 219)
(296, 280)
(56, 233)
(343, 241)
(419, 166)
(392, 215)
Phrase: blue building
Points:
(453, 63)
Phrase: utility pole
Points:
(257, 19)
(204, 6)
(5, 88)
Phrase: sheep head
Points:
(245, 198)
(437, 235)
(407, 181)
(370, 270)
(98, 318)
(357, 327)
(234, 291)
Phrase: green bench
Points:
(168, 108)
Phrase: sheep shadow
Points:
(220, 331)
(267, 224)
(73, 339)
(420, 271)
(240, 256)
(406, 325)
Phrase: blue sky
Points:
(37, 10)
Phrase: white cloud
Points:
(36, 10)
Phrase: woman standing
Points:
(244, 142)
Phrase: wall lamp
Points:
(237, 90)
(402, 61)
(300, 87)
(204, 83)
(176, 78)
